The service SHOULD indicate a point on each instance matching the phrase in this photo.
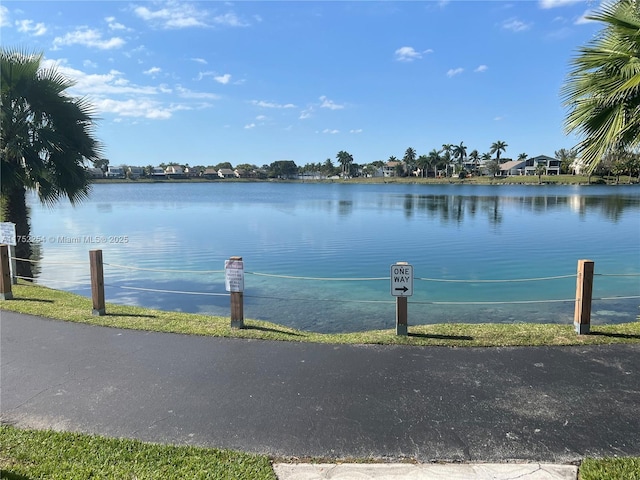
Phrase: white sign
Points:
(234, 275)
(401, 279)
(8, 233)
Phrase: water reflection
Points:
(455, 208)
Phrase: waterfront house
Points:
(226, 173)
(389, 169)
(115, 172)
(135, 172)
(158, 172)
(513, 167)
(210, 173)
(95, 172)
(174, 171)
(552, 165)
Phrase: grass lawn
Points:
(32, 454)
(46, 302)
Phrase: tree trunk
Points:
(16, 211)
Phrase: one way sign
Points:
(401, 279)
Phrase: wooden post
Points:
(401, 316)
(5, 274)
(234, 283)
(13, 265)
(584, 291)
(237, 310)
(97, 282)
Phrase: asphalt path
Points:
(301, 400)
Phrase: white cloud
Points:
(263, 104)
(89, 64)
(186, 93)
(583, 18)
(88, 38)
(515, 25)
(499, 118)
(152, 71)
(113, 25)
(331, 132)
(223, 79)
(4, 17)
(481, 68)
(330, 104)
(230, 20)
(134, 108)
(357, 130)
(200, 60)
(261, 117)
(454, 71)
(409, 54)
(27, 26)
(176, 14)
(557, 3)
(306, 113)
(250, 126)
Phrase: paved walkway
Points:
(296, 400)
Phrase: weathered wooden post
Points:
(402, 312)
(5, 274)
(234, 283)
(401, 288)
(97, 283)
(584, 292)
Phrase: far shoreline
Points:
(581, 180)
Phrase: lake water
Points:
(342, 238)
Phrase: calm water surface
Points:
(348, 231)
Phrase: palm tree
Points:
(345, 159)
(541, 169)
(409, 159)
(423, 163)
(497, 147)
(435, 160)
(460, 153)
(447, 148)
(522, 156)
(475, 157)
(602, 92)
(45, 140)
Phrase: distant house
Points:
(135, 172)
(513, 167)
(192, 171)
(158, 172)
(552, 165)
(210, 173)
(174, 171)
(226, 173)
(95, 172)
(389, 169)
(115, 172)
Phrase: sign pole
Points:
(401, 316)
(401, 288)
(234, 283)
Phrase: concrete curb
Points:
(399, 471)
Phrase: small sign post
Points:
(8, 237)
(401, 288)
(234, 283)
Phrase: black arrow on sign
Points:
(403, 289)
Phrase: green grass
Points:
(34, 454)
(31, 454)
(610, 469)
(46, 302)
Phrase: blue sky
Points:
(255, 82)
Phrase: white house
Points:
(115, 172)
(552, 165)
